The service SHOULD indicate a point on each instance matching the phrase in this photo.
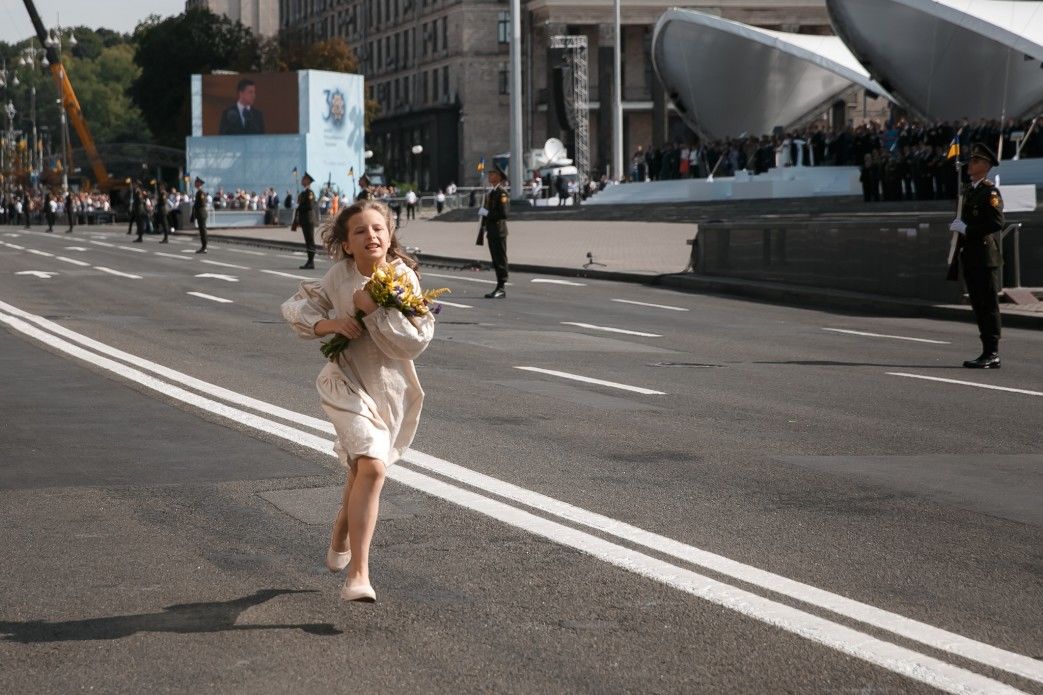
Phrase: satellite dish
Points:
(553, 150)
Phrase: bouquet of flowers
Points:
(391, 290)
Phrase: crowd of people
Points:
(26, 206)
(899, 159)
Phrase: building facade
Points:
(261, 16)
(439, 70)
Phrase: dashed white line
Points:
(654, 306)
(289, 275)
(70, 260)
(75, 248)
(40, 253)
(454, 304)
(608, 329)
(223, 265)
(885, 335)
(960, 382)
(104, 243)
(548, 281)
(460, 277)
(187, 251)
(14, 246)
(131, 248)
(171, 255)
(592, 380)
(252, 253)
(12, 235)
(121, 274)
(211, 297)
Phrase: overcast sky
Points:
(119, 15)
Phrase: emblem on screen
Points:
(336, 107)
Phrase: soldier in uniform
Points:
(306, 217)
(69, 212)
(199, 213)
(135, 206)
(494, 223)
(141, 214)
(162, 212)
(978, 251)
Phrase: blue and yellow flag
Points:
(351, 171)
(954, 148)
(481, 165)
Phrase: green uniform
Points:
(497, 202)
(199, 215)
(978, 252)
(306, 216)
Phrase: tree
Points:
(101, 86)
(170, 51)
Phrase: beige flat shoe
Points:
(359, 592)
(336, 562)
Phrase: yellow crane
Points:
(70, 103)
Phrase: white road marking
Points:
(968, 383)
(453, 304)
(591, 380)
(610, 330)
(12, 235)
(44, 274)
(252, 253)
(289, 275)
(70, 260)
(131, 248)
(897, 624)
(218, 276)
(460, 277)
(187, 251)
(548, 281)
(655, 306)
(884, 335)
(121, 274)
(75, 248)
(901, 660)
(211, 297)
(172, 255)
(41, 253)
(104, 243)
(14, 246)
(223, 265)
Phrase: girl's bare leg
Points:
(363, 505)
(339, 534)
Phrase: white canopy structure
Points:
(726, 78)
(949, 59)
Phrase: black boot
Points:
(989, 359)
(497, 293)
(310, 265)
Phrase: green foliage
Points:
(170, 51)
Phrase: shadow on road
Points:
(216, 616)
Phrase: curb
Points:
(769, 292)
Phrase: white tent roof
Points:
(726, 78)
(950, 59)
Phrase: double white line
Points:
(913, 664)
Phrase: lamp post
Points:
(617, 100)
(55, 40)
(417, 151)
(8, 79)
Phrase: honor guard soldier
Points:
(199, 213)
(978, 251)
(162, 221)
(493, 223)
(306, 217)
(69, 212)
(140, 210)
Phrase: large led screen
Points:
(250, 104)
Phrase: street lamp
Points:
(417, 150)
(54, 40)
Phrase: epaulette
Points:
(988, 183)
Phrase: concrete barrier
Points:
(898, 256)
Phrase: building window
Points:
(504, 79)
(503, 28)
(445, 81)
(423, 87)
(445, 33)
(434, 84)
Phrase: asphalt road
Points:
(750, 498)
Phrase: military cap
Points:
(499, 170)
(307, 176)
(199, 181)
(980, 151)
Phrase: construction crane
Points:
(69, 101)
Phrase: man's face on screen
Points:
(247, 96)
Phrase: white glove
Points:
(482, 212)
(958, 226)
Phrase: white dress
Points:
(371, 393)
